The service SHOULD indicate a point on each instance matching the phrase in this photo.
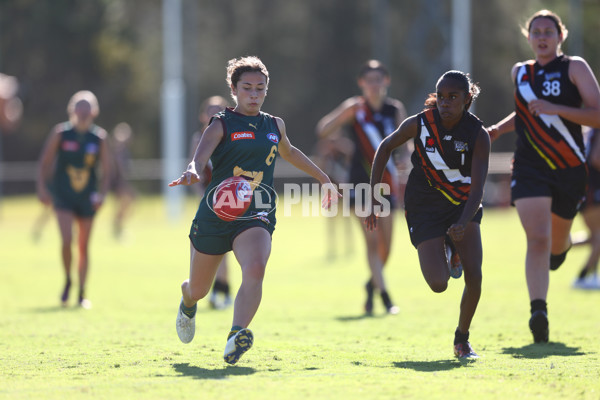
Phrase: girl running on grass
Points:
(67, 180)
(243, 142)
(555, 95)
(444, 190)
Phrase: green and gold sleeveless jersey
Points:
(248, 149)
(77, 158)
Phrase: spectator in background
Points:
(11, 108)
(555, 95)
(120, 145)
(67, 180)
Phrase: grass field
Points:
(311, 339)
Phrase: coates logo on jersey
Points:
(242, 135)
(273, 137)
(234, 196)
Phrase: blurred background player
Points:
(120, 145)
(11, 107)
(555, 95)
(333, 155)
(369, 118)
(590, 211)
(67, 180)
(220, 294)
(444, 190)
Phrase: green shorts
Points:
(221, 242)
(80, 205)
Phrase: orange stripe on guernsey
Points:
(531, 72)
(445, 188)
(433, 126)
(464, 189)
(565, 152)
(539, 145)
(541, 153)
(539, 134)
(367, 148)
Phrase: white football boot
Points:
(186, 326)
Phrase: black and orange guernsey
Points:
(442, 159)
(369, 129)
(546, 141)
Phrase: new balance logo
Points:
(448, 137)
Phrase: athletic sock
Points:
(234, 329)
(65, 294)
(188, 311)
(370, 290)
(460, 337)
(220, 286)
(556, 260)
(385, 297)
(539, 305)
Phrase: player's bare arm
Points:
(406, 131)
(299, 160)
(340, 116)
(209, 141)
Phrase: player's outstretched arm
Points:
(406, 131)
(299, 160)
(209, 141)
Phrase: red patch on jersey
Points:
(430, 141)
(242, 135)
(69, 145)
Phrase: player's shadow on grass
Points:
(350, 318)
(431, 366)
(543, 350)
(185, 369)
(55, 309)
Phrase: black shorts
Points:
(428, 221)
(566, 187)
